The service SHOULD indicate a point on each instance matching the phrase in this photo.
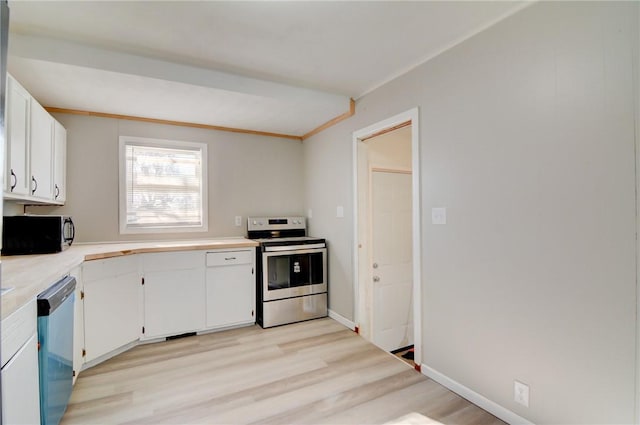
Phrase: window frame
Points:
(160, 143)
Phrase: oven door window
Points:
(295, 270)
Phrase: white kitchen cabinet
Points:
(20, 388)
(35, 160)
(20, 382)
(174, 293)
(18, 176)
(41, 151)
(112, 301)
(59, 163)
(230, 288)
(78, 324)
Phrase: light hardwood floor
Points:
(311, 372)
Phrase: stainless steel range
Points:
(291, 278)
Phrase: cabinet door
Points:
(111, 305)
(230, 288)
(59, 163)
(174, 293)
(20, 388)
(41, 142)
(18, 176)
(78, 324)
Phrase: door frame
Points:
(637, 150)
(389, 123)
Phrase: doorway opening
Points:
(386, 173)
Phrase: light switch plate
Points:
(438, 215)
(309, 213)
(521, 393)
(340, 211)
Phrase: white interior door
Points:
(391, 217)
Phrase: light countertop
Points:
(31, 274)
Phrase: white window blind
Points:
(163, 186)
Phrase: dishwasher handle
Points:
(55, 295)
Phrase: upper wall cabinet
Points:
(36, 150)
(18, 177)
(41, 152)
(59, 162)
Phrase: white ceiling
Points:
(283, 67)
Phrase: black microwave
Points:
(36, 234)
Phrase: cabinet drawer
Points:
(228, 258)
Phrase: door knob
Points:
(376, 279)
(375, 265)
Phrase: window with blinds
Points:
(162, 186)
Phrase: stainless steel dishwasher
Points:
(55, 359)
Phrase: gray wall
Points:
(527, 137)
(248, 175)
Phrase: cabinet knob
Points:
(376, 279)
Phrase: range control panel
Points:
(275, 223)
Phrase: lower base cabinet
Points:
(154, 295)
(112, 301)
(20, 399)
(20, 387)
(230, 288)
(78, 324)
(174, 293)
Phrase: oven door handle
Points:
(294, 247)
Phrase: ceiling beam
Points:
(336, 120)
(169, 122)
(330, 123)
(70, 53)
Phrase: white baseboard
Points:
(342, 320)
(494, 408)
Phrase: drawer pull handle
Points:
(15, 180)
(229, 258)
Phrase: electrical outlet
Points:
(438, 216)
(521, 393)
(238, 220)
